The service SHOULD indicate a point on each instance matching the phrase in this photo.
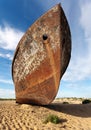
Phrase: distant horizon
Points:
(53, 100)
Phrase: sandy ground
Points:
(72, 116)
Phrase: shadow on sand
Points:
(80, 110)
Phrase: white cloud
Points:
(79, 69)
(85, 22)
(77, 89)
(6, 81)
(80, 66)
(8, 56)
(7, 93)
(9, 37)
(85, 19)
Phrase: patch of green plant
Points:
(86, 101)
(52, 118)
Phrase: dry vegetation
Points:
(62, 114)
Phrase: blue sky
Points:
(15, 18)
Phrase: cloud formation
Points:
(85, 22)
(85, 19)
(9, 37)
(8, 56)
(6, 81)
(80, 67)
(7, 93)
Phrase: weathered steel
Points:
(41, 58)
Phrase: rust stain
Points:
(52, 62)
(41, 58)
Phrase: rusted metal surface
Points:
(41, 58)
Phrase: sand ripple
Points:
(28, 117)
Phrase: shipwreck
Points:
(41, 58)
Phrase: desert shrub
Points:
(65, 102)
(52, 118)
(7, 99)
(85, 101)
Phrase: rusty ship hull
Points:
(41, 58)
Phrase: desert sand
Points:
(73, 116)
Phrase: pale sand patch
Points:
(14, 116)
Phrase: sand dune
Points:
(14, 116)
